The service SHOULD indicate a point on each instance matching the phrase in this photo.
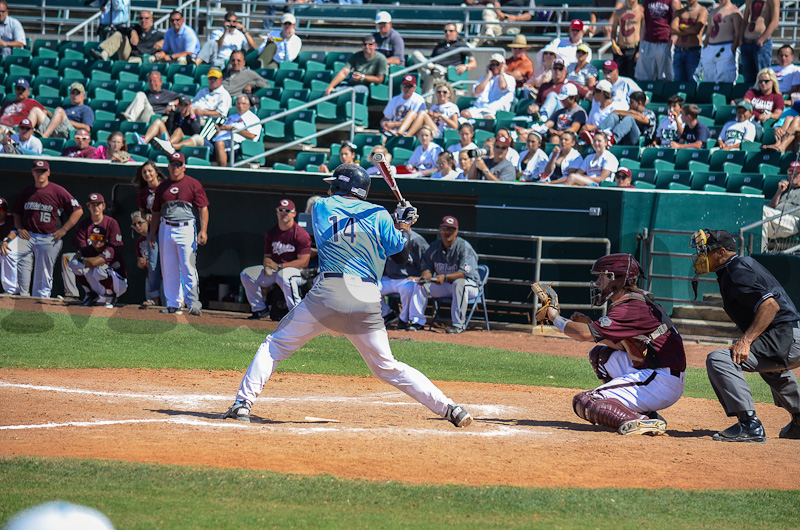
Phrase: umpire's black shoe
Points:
(258, 315)
(90, 299)
(749, 430)
(791, 431)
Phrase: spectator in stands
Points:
(244, 117)
(718, 58)
(68, 118)
(625, 127)
(621, 87)
(281, 45)
(154, 100)
(655, 49)
(759, 22)
(446, 167)
(542, 72)
(464, 162)
(602, 107)
(519, 65)
(563, 159)
(238, 79)
(786, 130)
(512, 155)
(623, 178)
(532, 161)
(583, 72)
(213, 100)
(24, 142)
(389, 41)
(466, 134)
(568, 119)
(441, 115)
(347, 155)
(740, 130)
(626, 28)
(403, 109)
(362, 69)
(182, 128)
(113, 14)
(270, 11)
(222, 42)
(181, 44)
(83, 146)
(131, 43)
(596, 167)
(495, 166)
(13, 112)
(567, 47)
(671, 125)
(115, 150)
(372, 170)
(494, 91)
(786, 197)
(766, 97)
(493, 14)
(787, 72)
(423, 160)
(688, 25)
(437, 72)
(591, 30)
(12, 35)
(695, 132)
(547, 101)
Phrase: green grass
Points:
(197, 498)
(56, 340)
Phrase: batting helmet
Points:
(350, 179)
(62, 515)
(622, 269)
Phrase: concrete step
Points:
(714, 314)
(712, 297)
(706, 328)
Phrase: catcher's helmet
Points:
(623, 270)
(350, 179)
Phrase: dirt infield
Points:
(361, 428)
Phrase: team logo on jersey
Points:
(467, 268)
(605, 322)
(174, 189)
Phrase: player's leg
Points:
(79, 272)
(186, 246)
(253, 280)
(406, 291)
(779, 377)
(24, 265)
(45, 253)
(170, 271)
(9, 263)
(416, 308)
(462, 291)
(67, 276)
(289, 280)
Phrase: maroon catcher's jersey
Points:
(636, 317)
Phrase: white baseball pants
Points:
(289, 279)
(404, 287)
(8, 268)
(720, 64)
(44, 250)
(178, 248)
(628, 385)
(460, 292)
(99, 274)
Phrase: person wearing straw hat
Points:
(519, 65)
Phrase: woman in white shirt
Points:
(599, 166)
(466, 132)
(446, 165)
(440, 116)
(423, 159)
(512, 155)
(533, 161)
(563, 159)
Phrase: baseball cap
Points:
(95, 197)
(576, 24)
(610, 66)
(41, 165)
(559, 60)
(97, 233)
(77, 86)
(502, 141)
(26, 122)
(566, 91)
(368, 38)
(449, 221)
(745, 105)
(22, 82)
(497, 57)
(603, 85)
(720, 238)
(288, 17)
(625, 171)
(383, 16)
(185, 100)
(286, 203)
(82, 133)
(177, 156)
(214, 72)
(794, 166)
(409, 79)
(583, 47)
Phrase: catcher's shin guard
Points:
(598, 356)
(608, 412)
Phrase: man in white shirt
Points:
(24, 142)
(244, 117)
(214, 100)
(494, 91)
(567, 47)
(787, 72)
(621, 87)
(12, 35)
(222, 42)
(281, 45)
(403, 108)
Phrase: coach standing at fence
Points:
(760, 307)
(175, 227)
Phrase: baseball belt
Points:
(341, 275)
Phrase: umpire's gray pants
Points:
(727, 379)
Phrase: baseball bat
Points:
(379, 160)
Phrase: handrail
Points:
(84, 26)
(756, 224)
(186, 10)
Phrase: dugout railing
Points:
(785, 245)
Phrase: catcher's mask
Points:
(705, 241)
(619, 269)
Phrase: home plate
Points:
(320, 420)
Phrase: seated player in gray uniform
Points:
(449, 268)
(401, 279)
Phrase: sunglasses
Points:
(96, 238)
(138, 223)
(74, 92)
(765, 80)
(288, 24)
(284, 210)
(581, 51)
(174, 20)
(447, 228)
(442, 91)
(369, 44)
(494, 65)
(24, 128)
(407, 86)
(145, 18)
(559, 68)
(450, 31)
(176, 164)
(500, 147)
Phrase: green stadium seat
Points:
(770, 185)
(108, 105)
(56, 144)
(736, 181)
(694, 165)
(103, 93)
(146, 68)
(401, 156)
(739, 90)
(104, 125)
(406, 142)
(718, 158)
(626, 162)
(700, 179)
(756, 158)
(183, 69)
(282, 75)
(37, 63)
(724, 114)
(655, 88)
(644, 185)
(625, 151)
(48, 44)
(269, 92)
(768, 169)
(336, 56)
(190, 90)
(378, 94)
(309, 161)
(280, 166)
(200, 72)
(768, 136)
(139, 127)
(194, 161)
(316, 75)
(316, 66)
(731, 168)
(665, 178)
(663, 165)
(707, 90)
(787, 159)
(104, 115)
(484, 124)
(684, 156)
(124, 66)
(302, 129)
(75, 64)
(750, 147)
(645, 175)
(311, 55)
(465, 102)
(301, 95)
(651, 154)
(251, 148)
(688, 88)
(106, 84)
(50, 102)
(365, 142)
(39, 81)
(197, 152)
(47, 91)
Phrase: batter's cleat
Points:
(415, 327)
(89, 300)
(172, 311)
(458, 415)
(646, 426)
(239, 411)
(195, 312)
(791, 431)
(749, 430)
(258, 315)
(455, 329)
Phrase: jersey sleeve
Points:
(468, 262)
(114, 233)
(624, 322)
(392, 239)
(200, 197)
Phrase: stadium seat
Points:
(750, 147)
(480, 299)
(139, 127)
(724, 114)
(628, 163)
(731, 168)
(315, 66)
(269, 92)
(768, 169)
(183, 69)
(252, 148)
(656, 89)
(288, 65)
(310, 55)
(701, 179)
(625, 151)
(190, 90)
(718, 158)
(316, 75)
(770, 185)
(644, 185)
(104, 125)
(56, 144)
(756, 158)
(109, 105)
(106, 84)
(308, 161)
(465, 102)
(665, 178)
(737, 180)
(405, 142)
(694, 165)
(47, 91)
(645, 175)
(400, 156)
(280, 166)
(39, 62)
(302, 129)
(689, 88)
(146, 68)
(334, 57)
(684, 156)
(282, 75)
(365, 142)
(739, 90)
(104, 115)
(787, 159)
(706, 92)
(104, 94)
(197, 152)
(651, 154)
(663, 165)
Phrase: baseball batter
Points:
(287, 250)
(449, 268)
(174, 226)
(37, 213)
(640, 356)
(8, 250)
(354, 238)
(100, 269)
(401, 279)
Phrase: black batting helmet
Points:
(350, 179)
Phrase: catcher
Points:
(639, 356)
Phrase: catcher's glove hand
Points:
(405, 213)
(547, 298)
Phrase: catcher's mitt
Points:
(547, 298)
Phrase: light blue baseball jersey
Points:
(354, 236)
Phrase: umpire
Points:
(760, 307)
